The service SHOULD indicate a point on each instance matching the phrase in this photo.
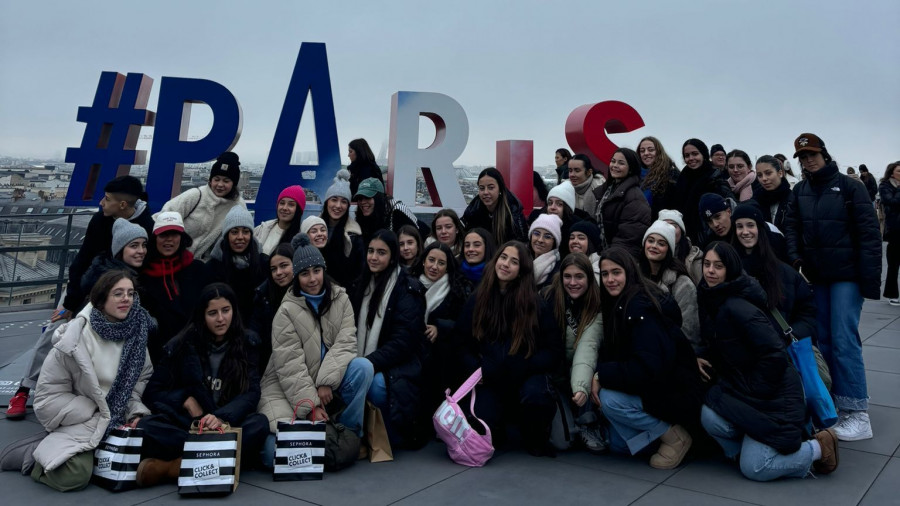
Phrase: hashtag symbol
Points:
(113, 125)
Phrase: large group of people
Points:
(645, 299)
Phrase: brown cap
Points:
(808, 142)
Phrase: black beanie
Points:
(749, 209)
(715, 149)
(129, 185)
(229, 165)
(590, 230)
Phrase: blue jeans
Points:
(354, 386)
(758, 462)
(378, 395)
(632, 429)
(838, 307)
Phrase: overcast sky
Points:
(746, 74)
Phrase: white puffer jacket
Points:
(203, 213)
(295, 370)
(68, 400)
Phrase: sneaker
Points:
(894, 302)
(594, 439)
(829, 444)
(16, 409)
(854, 427)
(674, 445)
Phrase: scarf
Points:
(166, 268)
(132, 331)
(573, 313)
(473, 272)
(436, 292)
(367, 338)
(544, 264)
(595, 261)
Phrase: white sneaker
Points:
(854, 427)
(594, 439)
(894, 302)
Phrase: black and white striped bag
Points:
(116, 459)
(299, 449)
(210, 462)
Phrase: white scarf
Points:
(367, 339)
(544, 264)
(436, 292)
(595, 261)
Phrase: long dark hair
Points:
(275, 293)
(589, 302)
(364, 154)
(413, 232)
(669, 263)
(634, 163)
(763, 258)
(257, 266)
(459, 286)
(235, 368)
(342, 221)
(490, 247)
(729, 257)
(513, 314)
(503, 225)
(381, 279)
(615, 340)
(889, 171)
(704, 152)
(380, 217)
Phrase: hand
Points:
(702, 363)
(212, 422)
(133, 423)
(595, 392)
(579, 399)
(317, 415)
(192, 407)
(60, 314)
(325, 395)
(431, 332)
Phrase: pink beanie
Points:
(296, 194)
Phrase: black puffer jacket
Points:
(400, 355)
(183, 373)
(890, 202)
(779, 197)
(261, 322)
(832, 230)
(477, 215)
(99, 267)
(758, 389)
(657, 364)
(691, 185)
(797, 304)
(625, 215)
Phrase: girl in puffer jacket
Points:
(92, 381)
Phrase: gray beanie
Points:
(305, 254)
(123, 232)
(340, 188)
(238, 216)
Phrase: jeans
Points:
(378, 395)
(354, 386)
(631, 429)
(892, 255)
(758, 462)
(838, 308)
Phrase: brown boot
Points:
(675, 444)
(151, 472)
(828, 441)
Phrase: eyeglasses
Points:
(537, 235)
(123, 294)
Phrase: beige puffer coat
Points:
(294, 371)
(68, 400)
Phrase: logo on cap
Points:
(225, 165)
(803, 141)
(708, 213)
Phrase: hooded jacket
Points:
(203, 213)
(758, 389)
(477, 215)
(68, 400)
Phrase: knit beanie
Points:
(305, 254)
(674, 215)
(311, 222)
(549, 222)
(238, 216)
(229, 165)
(565, 192)
(715, 149)
(664, 230)
(296, 194)
(340, 187)
(123, 232)
(589, 229)
(129, 185)
(712, 203)
(749, 210)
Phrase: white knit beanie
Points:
(549, 222)
(310, 222)
(565, 192)
(664, 230)
(674, 215)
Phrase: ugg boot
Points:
(674, 445)
(152, 472)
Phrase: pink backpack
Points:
(464, 444)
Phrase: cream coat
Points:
(68, 400)
(584, 355)
(203, 213)
(294, 371)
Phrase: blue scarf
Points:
(473, 272)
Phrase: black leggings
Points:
(893, 269)
(164, 437)
(529, 405)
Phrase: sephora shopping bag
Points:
(299, 448)
(211, 461)
(116, 459)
